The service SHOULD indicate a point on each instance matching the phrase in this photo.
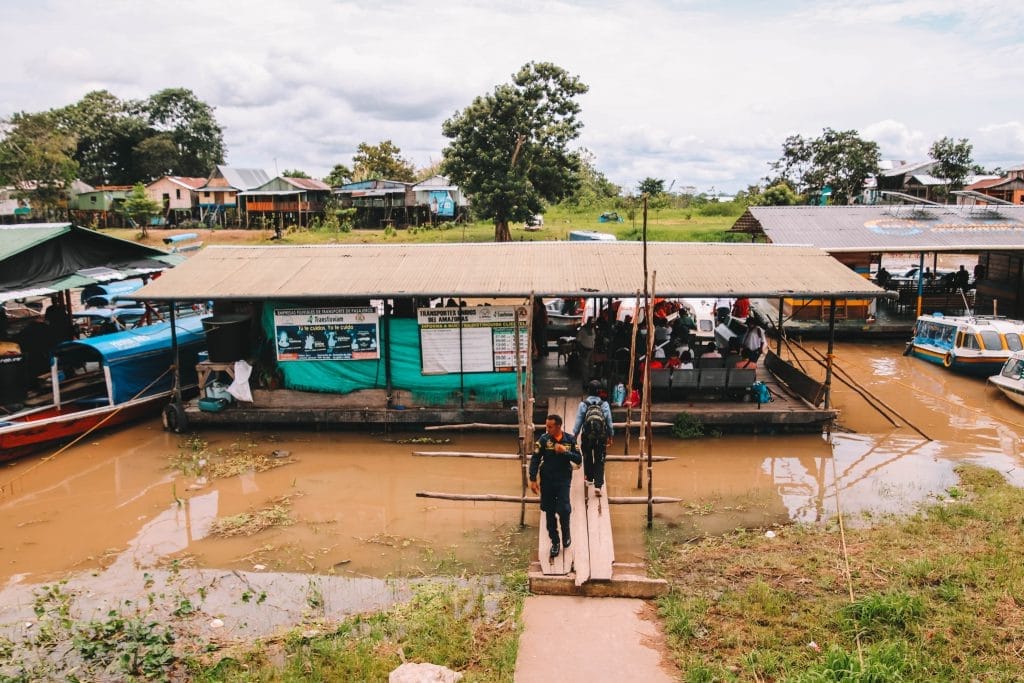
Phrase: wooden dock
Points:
(587, 567)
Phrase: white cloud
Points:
(696, 91)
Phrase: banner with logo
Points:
(326, 334)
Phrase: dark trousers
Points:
(554, 500)
(593, 462)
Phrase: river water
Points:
(115, 502)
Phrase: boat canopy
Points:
(137, 357)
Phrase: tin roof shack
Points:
(379, 203)
(218, 197)
(284, 201)
(177, 195)
(348, 361)
(859, 236)
(1009, 188)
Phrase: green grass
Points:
(937, 596)
(709, 223)
(442, 624)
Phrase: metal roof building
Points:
(889, 228)
(507, 269)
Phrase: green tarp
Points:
(342, 377)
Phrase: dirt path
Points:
(590, 639)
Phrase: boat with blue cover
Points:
(104, 381)
(971, 345)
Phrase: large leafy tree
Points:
(191, 126)
(955, 162)
(509, 148)
(122, 141)
(382, 161)
(841, 160)
(339, 175)
(36, 157)
(107, 130)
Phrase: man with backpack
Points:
(595, 430)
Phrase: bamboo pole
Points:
(500, 498)
(649, 433)
(892, 410)
(629, 376)
(514, 456)
(522, 420)
(536, 427)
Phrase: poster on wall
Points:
(326, 334)
(484, 341)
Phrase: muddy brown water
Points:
(115, 501)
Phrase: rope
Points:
(958, 405)
(4, 490)
(846, 554)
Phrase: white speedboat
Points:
(1010, 379)
(972, 345)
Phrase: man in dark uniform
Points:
(554, 455)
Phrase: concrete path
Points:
(568, 639)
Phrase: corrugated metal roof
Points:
(307, 183)
(908, 168)
(893, 228)
(241, 178)
(15, 239)
(505, 269)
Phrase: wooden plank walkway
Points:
(592, 551)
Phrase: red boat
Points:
(103, 381)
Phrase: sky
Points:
(698, 93)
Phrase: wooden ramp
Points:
(592, 554)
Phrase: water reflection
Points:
(117, 503)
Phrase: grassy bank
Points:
(462, 629)
(938, 596)
(666, 225)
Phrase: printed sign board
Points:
(483, 341)
(326, 334)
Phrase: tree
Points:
(157, 156)
(594, 187)
(339, 175)
(954, 158)
(651, 186)
(381, 161)
(840, 160)
(141, 208)
(509, 148)
(780, 194)
(107, 132)
(192, 127)
(36, 158)
(295, 173)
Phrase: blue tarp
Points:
(137, 357)
(342, 377)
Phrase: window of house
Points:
(177, 194)
(92, 199)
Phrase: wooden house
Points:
(218, 197)
(379, 203)
(284, 201)
(1009, 188)
(177, 195)
(102, 206)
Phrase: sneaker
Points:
(590, 482)
(597, 492)
(566, 541)
(554, 550)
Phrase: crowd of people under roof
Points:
(602, 345)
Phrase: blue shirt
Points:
(581, 413)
